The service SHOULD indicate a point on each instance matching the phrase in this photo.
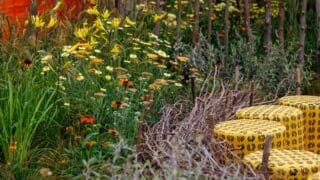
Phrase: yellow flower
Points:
(153, 56)
(105, 14)
(109, 68)
(183, 58)
(115, 50)
(13, 146)
(57, 6)
(93, 11)
(97, 61)
(99, 24)
(129, 21)
(159, 17)
(82, 33)
(37, 21)
(51, 23)
(80, 77)
(115, 23)
(108, 77)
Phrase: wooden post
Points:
(267, 29)
(281, 25)
(226, 33)
(196, 29)
(298, 77)
(179, 20)
(318, 38)
(302, 33)
(265, 157)
(209, 30)
(246, 19)
(251, 93)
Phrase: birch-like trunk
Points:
(196, 29)
(302, 33)
(246, 19)
(267, 30)
(318, 38)
(281, 26)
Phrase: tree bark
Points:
(281, 26)
(196, 29)
(179, 21)
(209, 21)
(226, 32)
(302, 33)
(318, 38)
(246, 19)
(267, 30)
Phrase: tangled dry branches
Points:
(182, 144)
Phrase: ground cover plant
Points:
(134, 92)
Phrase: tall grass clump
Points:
(24, 111)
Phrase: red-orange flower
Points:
(221, 35)
(89, 143)
(13, 146)
(117, 104)
(69, 129)
(113, 132)
(27, 63)
(146, 98)
(104, 143)
(87, 119)
(77, 138)
(125, 83)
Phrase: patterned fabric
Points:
(290, 117)
(287, 164)
(248, 135)
(310, 106)
(315, 176)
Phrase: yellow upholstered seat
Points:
(310, 106)
(287, 164)
(315, 176)
(248, 135)
(290, 117)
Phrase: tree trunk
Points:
(246, 19)
(209, 21)
(318, 38)
(302, 33)
(157, 27)
(179, 21)
(226, 32)
(267, 30)
(281, 25)
(196, 30)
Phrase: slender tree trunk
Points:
(209, 21)
(267, 30)
(302, 33)
(196, 29)
(226, 32)
(158, 9)
(179, 21)
(318, 38)
(246, 19)
(281, 25)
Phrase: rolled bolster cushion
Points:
(287, 164)
(290, 117)
(248, 135)
(310, 106)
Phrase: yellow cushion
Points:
(290, 117)
(287, 164)
(310, 106)
(248, 135)
(315, 176)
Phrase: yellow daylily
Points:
(37, 21)
(115, 23)
(51, 23)
(93, 11)
(159, 17)
(82, 33)
(129, 21)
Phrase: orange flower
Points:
(77, 138)
(125, 83)
(105, 143)
(89, 143)
(221, 35)
(13, 146)
(87, 119)
(69, 129)
(117, 104)
(146, 98)
(113, 132)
